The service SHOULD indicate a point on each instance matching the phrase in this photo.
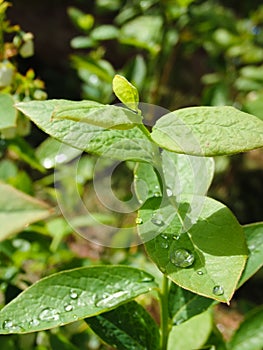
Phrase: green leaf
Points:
(72, 295)
(208, 131)
(93, 113)
(146, 183)
(127, 327)
(182, 174)
(191, 334)
(126, 92)
(144, 32)
(199, 244)
(184, 305)
(253, 233)
(18, 210)
(249, 336)
(25, 152)
(105, 32)
(8, 114)
(185, 174)
(132, 144)
(50, 152)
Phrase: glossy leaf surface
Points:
(128, 327)
(71, 295)
(199, 245)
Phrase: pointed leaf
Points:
(249, 336)
(93, 113)
(198, 244)
(128, 327)
(208, 131)
(126, 92)
(8, 113)
(130, 144)
(18, 210)
(254, 233)
(72, 295)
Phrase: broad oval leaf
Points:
(97, 114)
(127, 327)
(131, 144)
(18, 210)
(72, 295)
(208, 131)
(126, 92)
(199, 245)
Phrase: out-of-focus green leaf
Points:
(8, 114)
(104, 32)
(144, 32)
(17, 210)
(249, 336)
(253, 233)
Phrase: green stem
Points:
(165, 320)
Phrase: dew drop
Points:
(138, 221)
(218, 290)
(169, 192)
(176, 237)
(68, 307)
(34, 322)
(157, 219)
(199, 272)
(49, 314)
(182, 258)
(157, 194)
(164, 236)
(10, 326)
(73, 294)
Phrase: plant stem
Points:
(165, 324)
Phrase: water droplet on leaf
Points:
(68, 307)
(200, 272)
(73, 294)
(182, 258)
(157, 219)
(49, 314)
(10, 326)
(218, 290)
(138, 221)
(34, 322)
(169, 192)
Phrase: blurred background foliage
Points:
(178, 53)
